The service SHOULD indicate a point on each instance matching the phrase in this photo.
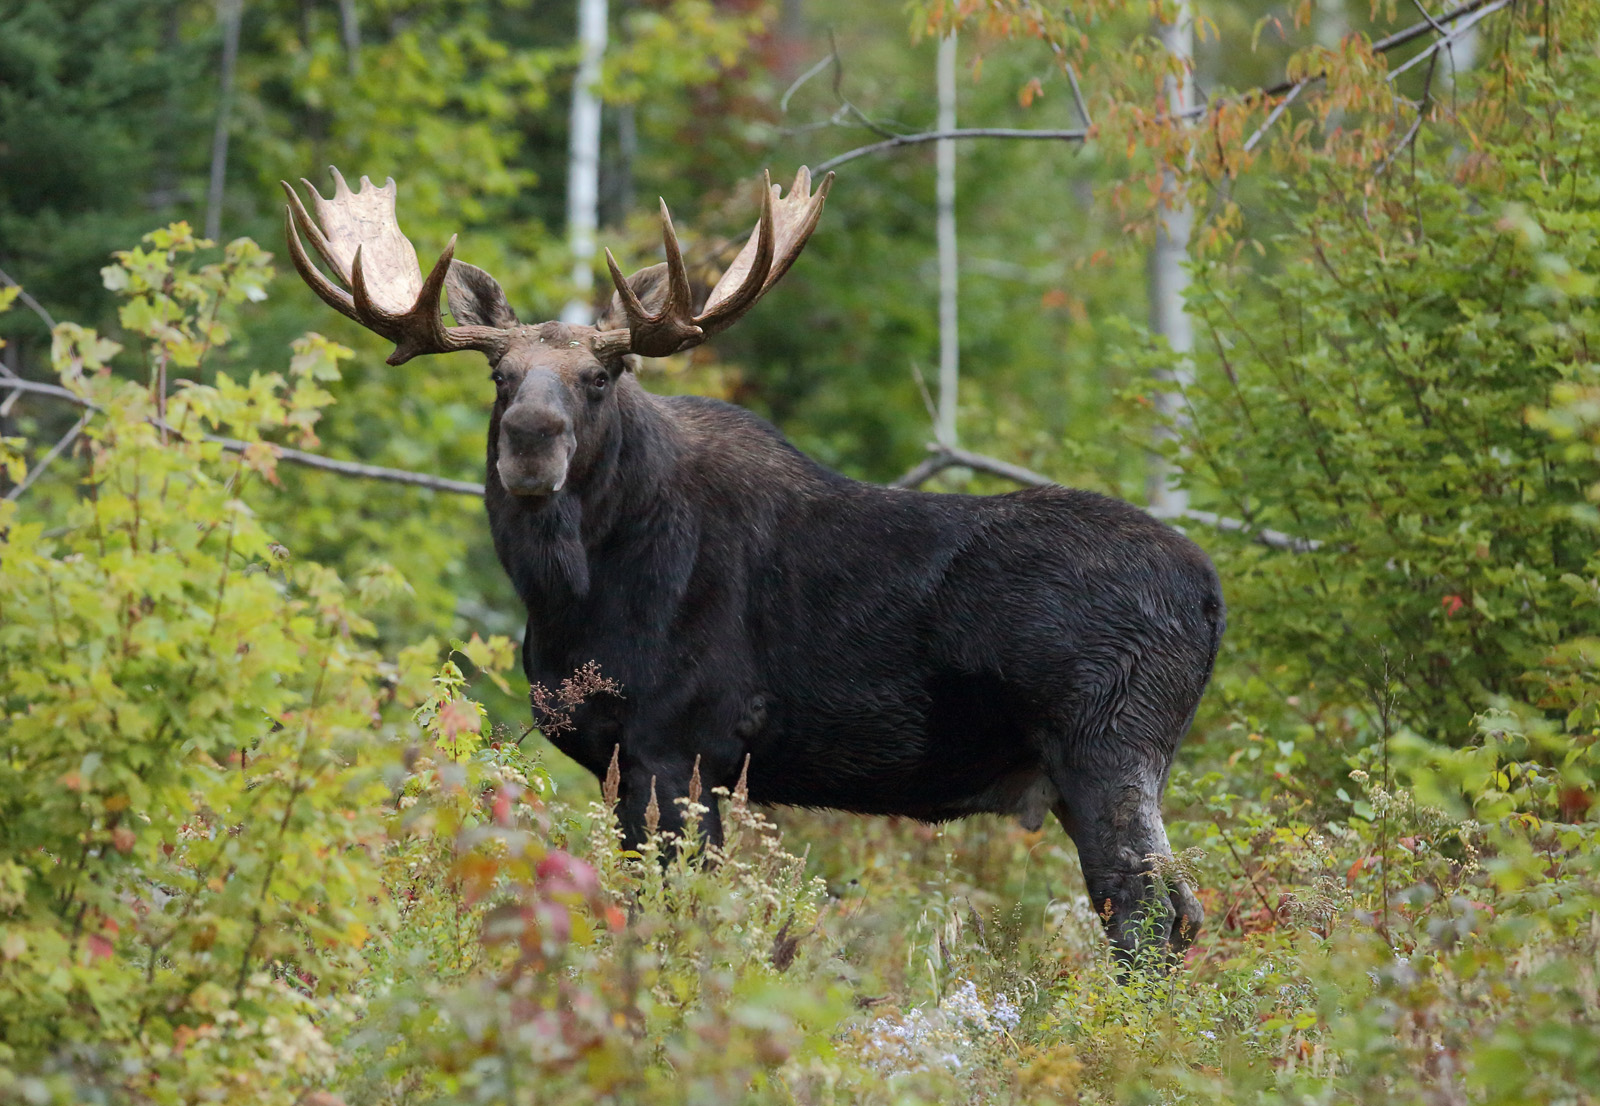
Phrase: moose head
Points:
(554, 381)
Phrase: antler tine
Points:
(363, 242)
(723, 313)
(797, 237)
(669, 330)
(330, 293)
(630, 299)
(773, 246)
(309, 225)
(680, 300)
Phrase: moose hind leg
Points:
(1110, 787)
(1118, 830)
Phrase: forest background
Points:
(272, 826)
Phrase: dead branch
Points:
(1277, 111)
(1483, 8)
(898, 140)
(941, 457)
(55, 451)
(28, 301)
(283, 453)
(1445, 43)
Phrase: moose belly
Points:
(952, 745)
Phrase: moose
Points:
(849, 646)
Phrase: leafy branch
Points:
(1288, 89)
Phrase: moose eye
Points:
(498, 377)
(597, 384)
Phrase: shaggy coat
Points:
(870, 649)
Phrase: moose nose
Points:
(528, 431)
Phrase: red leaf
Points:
(458, 716)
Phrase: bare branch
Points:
(1282, 106)
(55, 391)
(942, 457)
(55, 451)
(1483, 8)
(1410, 136)
(1432, 22)
(355, 468)
(28, 301)
(1455, 33)
(959, 132)
(783, 102)
(283, 453)
(1077, 94)
(945, 456)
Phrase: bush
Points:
(186, 801)
(1369, 392)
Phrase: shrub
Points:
(186, 807)
(1369, 391)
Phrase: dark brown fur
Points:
(870, 649)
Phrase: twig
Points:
(283, 453)
(1434, 23)
(1228, 841)
(898, 140)
(927, 398)
(1077, 95)
(28, 301)
(355, 468)
(1482, 8)
(1410, 135)
(1282, 106)
(783, 101)
(845, 103)
(44, 316)
(55, 451)
(1479, 16)
(942, 457)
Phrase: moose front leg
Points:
(648, 797)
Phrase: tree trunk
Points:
(350, 34)
(583, 162)
(1169, 278)
(230, 13)
(949, 277)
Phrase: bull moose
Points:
(863, 648)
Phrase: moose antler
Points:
(785, 225)
(361, 241)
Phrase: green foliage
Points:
(1369, 392)
(242, 852)
(185, 810)
(263, 838)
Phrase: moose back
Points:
(871, 649)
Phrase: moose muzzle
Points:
(536, 439)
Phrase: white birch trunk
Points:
(583, 161)
(230, 13)
(949, 278)
(350, 35)
(1169, 279)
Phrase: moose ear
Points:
(650, 285)
(476, 298)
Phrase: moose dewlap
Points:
(871, 649)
